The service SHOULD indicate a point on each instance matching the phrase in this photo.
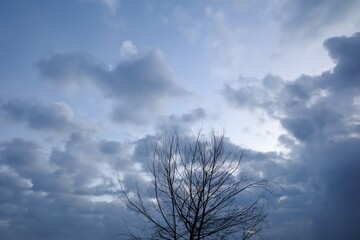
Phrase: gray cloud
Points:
(311, 106)
(321, 114)
(24, 156)
(62, 194)
(182, 122)
(109, 147)
(56, 116)
(346, 53)
(139, 84)
(66, 69)
(338, 166)
(193, 116)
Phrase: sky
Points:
(86, 84)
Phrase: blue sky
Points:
(85, 83)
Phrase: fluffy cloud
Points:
(70, 192)
(56, 116)
(128, 49)
(346, 53)
(139, 84)
(310, 107)
(321, 114)
(67, 193)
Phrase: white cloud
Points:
(128, 49)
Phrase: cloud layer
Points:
(60, 195)
(81, 105)
(55, 117)
(139, 84)
(321, 113)
(74, 184)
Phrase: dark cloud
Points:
(24, 156)
(346, 53)
(55, 117)
(139, 84)
(339, 168)
(321, 115)
(109, 147)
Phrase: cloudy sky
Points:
(86, 83)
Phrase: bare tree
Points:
(198, 191)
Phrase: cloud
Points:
(321, 115)
(128, 49)
(67, 69)
(139, 85)
(194, 115)
(109, 147)
(309, 18)
(25, 156)
(69, 186)
(56, 116)
(338, 166)
(346, 53)
(310, 106)
(147, 77)
(183, 122)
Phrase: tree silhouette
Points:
(198, 191)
